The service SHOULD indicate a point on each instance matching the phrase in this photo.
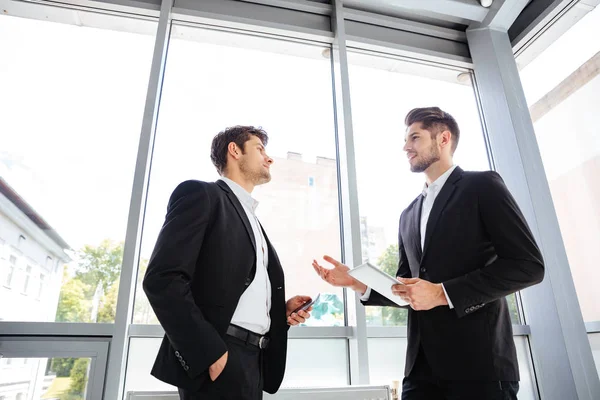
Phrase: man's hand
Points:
(422, 295)
(338, 276)
(215, 370)
(301, 316)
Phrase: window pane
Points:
(310, 363)
(72, 103)
(141, 356)
(563, 102)
(43, 378)
(214, 80)
(383, 91)
(387, 355)
(316, 363)
(595, 344)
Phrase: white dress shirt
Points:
(430, 193)
(253, 309)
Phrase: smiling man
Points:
(464, 246)
(215, 282)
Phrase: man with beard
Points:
(216, 284)
(464, 245)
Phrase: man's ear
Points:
(445, 138)
(234, 150)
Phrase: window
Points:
(64, 377)
(310, 362)
(41, 287)
(383, 91)
(2, 255)
(83, 110)
(387, 355)
(210, 84)
(27, 278)
(12, 265)
(563, 102)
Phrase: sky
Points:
(73, 97)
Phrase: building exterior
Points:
(31, 258)
(569, 139)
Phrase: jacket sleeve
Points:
(519, 261)
(170, 271)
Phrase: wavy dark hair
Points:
(435, 121)
(238, 134)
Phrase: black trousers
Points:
(422, 385)
(241, 378)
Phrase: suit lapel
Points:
(415, 227)
(240, 210)
(438, 206)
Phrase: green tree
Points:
(388, 263)
(73, 304)
(513, 309)
(108, 305)
(142, 312)
(78, 378)
(100, 266)
(98, 269)
(62, 366)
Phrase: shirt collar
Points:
(243, 196)
(438, 183)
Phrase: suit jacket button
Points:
(185, 367)
(177, 354)
(423, 269)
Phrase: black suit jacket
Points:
(479, 246)
(203, 260)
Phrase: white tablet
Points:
(377, 280)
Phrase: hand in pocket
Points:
(215, 370)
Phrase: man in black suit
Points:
(464, 245)
(216, 284)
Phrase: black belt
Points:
(262, 342)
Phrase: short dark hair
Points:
(435, 121)
(239, 135)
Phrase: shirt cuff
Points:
(365, 297)
(447, 298)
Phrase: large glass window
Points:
(214, 80)
(563, 102)
(387, 355)
(594, 339)
(52, 368)
(72, 100)
(383, 90)
(44, 378)
(310, 363)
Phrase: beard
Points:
(423, 162)
(257, 176)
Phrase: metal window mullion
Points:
(350, 220)
(117, 361)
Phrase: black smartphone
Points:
(306, 305)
